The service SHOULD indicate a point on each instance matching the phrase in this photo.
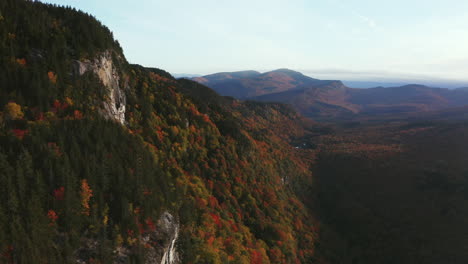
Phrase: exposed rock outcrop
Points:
(163, 250)
(165, 236)
(103, 67)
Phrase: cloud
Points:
(370, 22)
(383, 75)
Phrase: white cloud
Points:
(369, 21)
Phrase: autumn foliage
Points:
(86, 194)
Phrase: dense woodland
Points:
(76, 186)
(248, 182)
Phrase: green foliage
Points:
(39, 46)
(79, 187)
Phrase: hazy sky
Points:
(335, 38)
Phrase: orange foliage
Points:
(21, 61)
(52, 215)
(52, 77)
(211, 240)
(86, 194)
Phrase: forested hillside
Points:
(106, 162)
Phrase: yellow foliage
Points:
(131, 241)
(68, 100)
(21, 62)
(13, 111)
(119, 240)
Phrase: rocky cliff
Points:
(104, 68)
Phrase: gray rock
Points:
(103, 67)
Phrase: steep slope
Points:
(102, 161)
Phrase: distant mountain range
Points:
(324, 99)
(247, 84)
(185, 75)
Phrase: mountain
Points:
(102, 161)
(327, 100)
(372, 84)
(248, 84)
(185, 75)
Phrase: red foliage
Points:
(20, 133)
(57, 106)
(228, 242)
(151, 226)
(59, 193)
(159, 133)
(216, 219)
(77, 114)
(213, 202)
(40, 116)
(210, 184)
(256, 257)
(141, 228)
(52, 215)
(7, 253)
(234, 227)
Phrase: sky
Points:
(328, 39)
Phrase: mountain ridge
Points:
(320, 99)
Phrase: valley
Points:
(106, 161)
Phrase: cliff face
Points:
(103, 67)
(170, 229)
(163, 239)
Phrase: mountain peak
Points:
(247, 84)
(285, 70)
